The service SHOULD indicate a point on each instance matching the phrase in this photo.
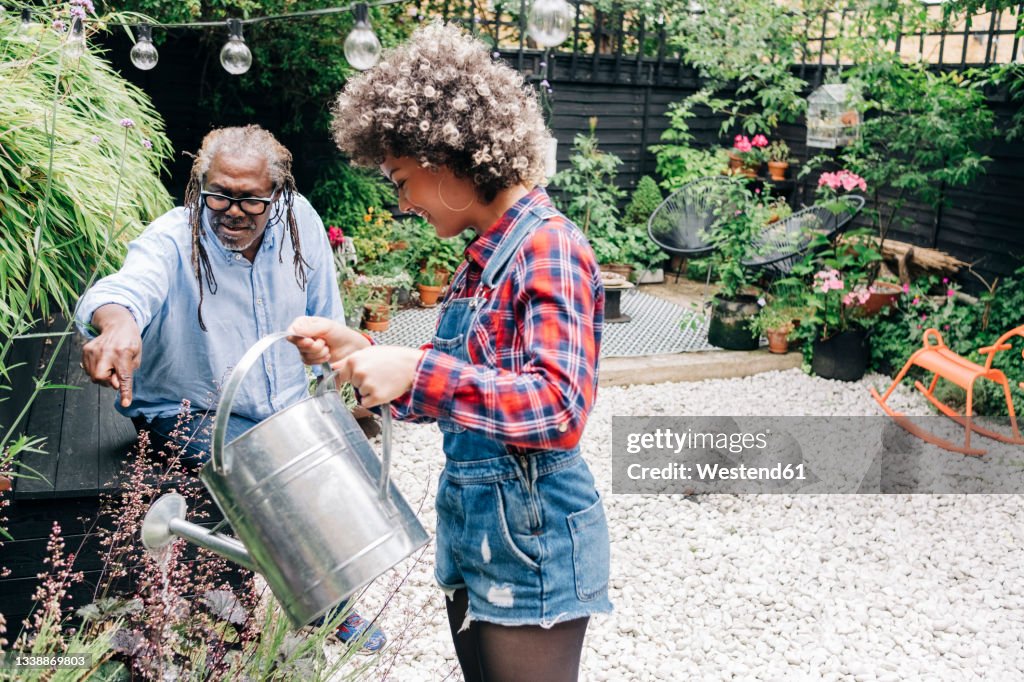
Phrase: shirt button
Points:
(238, 256)
(563, 427)
(259, 301)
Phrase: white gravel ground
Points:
(767, 587)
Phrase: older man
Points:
(200, 286)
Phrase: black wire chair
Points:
(680, 223)
(783, 243)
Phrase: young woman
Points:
(511, 374)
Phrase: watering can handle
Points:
(221, 460)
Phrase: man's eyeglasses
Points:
(249, 205)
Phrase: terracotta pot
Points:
(751, 171)
(429, 295)
(735, 162)
(777, 169)
(378, 312)
(778, 341)
(376, 326)
(883, 299)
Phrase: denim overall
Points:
(525, 534)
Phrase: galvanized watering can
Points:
(314, 508)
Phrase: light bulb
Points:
(549, 22)
(362, 49)
(144, 55)
(235, 56)
(74, 45)
(26, 27)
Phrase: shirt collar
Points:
(483, 246)
(269, 235)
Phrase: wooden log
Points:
(911, 260)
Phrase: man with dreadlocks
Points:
(200, 286)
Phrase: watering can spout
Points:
(165, 520)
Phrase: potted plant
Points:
(746, 154)
(776, 155)
(378, 308)
(636, 246)
(837, 282)
(775, 322)
(429, 285)
(739, 220)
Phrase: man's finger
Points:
(343, 370)
(123, 374)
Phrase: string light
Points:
(74, 45)
(25, 29)
(235, 56)
(549, 22)
(362, 48)
(144, 55)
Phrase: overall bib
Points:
(525, 534)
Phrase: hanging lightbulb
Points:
(26, 27)
(362, 49)
(74, 46)
(235, 56)
(144, 55)
(549, 22)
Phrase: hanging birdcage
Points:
(832, 119)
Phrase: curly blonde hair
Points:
(440, 99)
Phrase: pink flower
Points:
(906, 288)
(950, 293)
(742, 143)
(915, 301)
(759, 141)
(335, 236)
(945, 327)
(945, 280)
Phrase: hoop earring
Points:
(452, 208)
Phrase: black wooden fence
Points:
(625, 72)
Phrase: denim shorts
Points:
(527, 538)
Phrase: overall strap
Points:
(510, 244)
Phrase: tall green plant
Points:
(591, 196)
(62, 143)
(678, 158)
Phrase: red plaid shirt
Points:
(534, 346)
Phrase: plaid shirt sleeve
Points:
(544, 335)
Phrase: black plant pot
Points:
(730, 323)
(843, 356)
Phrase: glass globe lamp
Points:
(235, 56)
(144, 55)
(549, 22)
(362, 49)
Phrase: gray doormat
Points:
(657, 326)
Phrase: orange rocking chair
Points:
(937, 358)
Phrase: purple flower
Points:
(87, 4)
(146, 143)
(77, 13)
(542, 65)
(58, 25)
(496, 54)
(95, 139)
(544, 83)
(127, 123)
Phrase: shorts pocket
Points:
(591, 553)
(514, 526)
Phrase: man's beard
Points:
(233, 242)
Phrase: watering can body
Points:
(308, 498)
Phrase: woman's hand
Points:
(379, 373)
(322, 340)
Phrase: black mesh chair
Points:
(679, 225)
(783, 243)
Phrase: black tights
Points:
(529, 653)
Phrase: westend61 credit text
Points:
(702, 471)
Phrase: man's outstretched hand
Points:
(112, 357)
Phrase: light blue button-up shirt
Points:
(179, 360)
